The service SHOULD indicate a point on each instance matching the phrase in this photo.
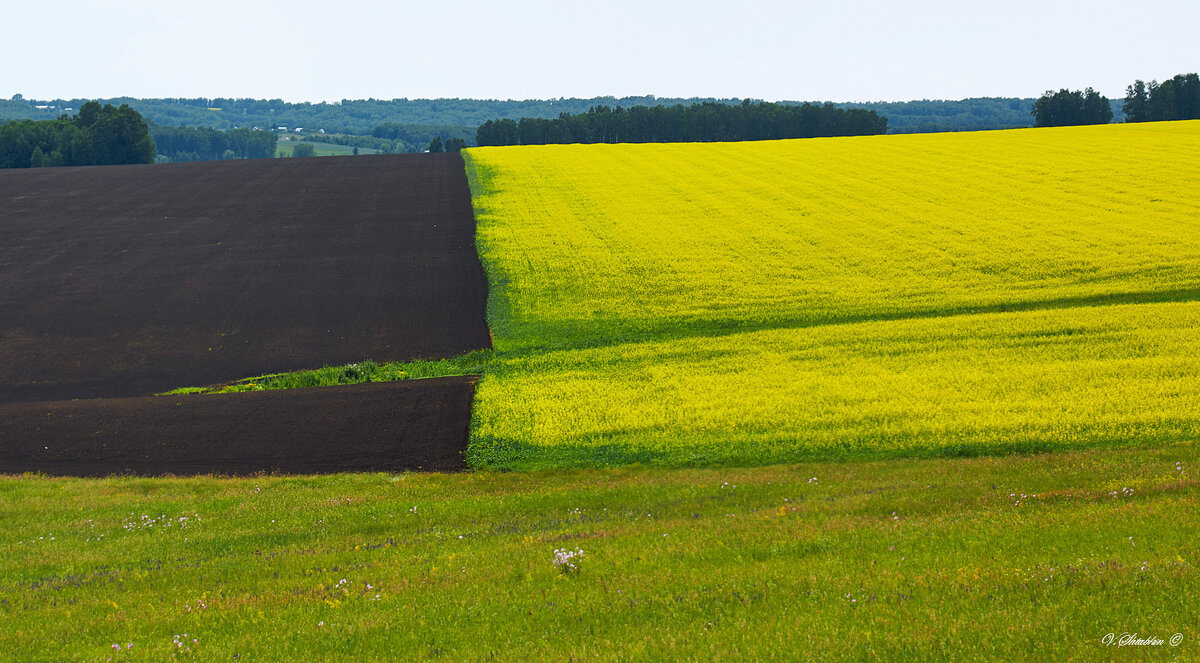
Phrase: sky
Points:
(537, 49)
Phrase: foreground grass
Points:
(1015, 558)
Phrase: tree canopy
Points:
(304, 150)
(1071, 107)
(98, 135)
(207, 144)
(708, 121)
(1177, 98)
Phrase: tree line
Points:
(98, 135)
(450, 145)
(1177, 98)
(382, 145)
(414, 137)
(706, 121)
(937, 115)
(417, 121)
(207, 144)
(348, 116)
(422, 119)
(1071, 107)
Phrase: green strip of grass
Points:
(473, 363)
(1021, 558)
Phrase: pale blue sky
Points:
(841, 51)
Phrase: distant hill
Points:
(460, 117)
(978, 114)
(928, 116)
(358, 117)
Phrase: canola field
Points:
(742, 303)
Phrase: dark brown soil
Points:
(131, 280)
(393, 426)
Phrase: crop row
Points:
(756, 302)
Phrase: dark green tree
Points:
(304, 150)
(435, 145)
(1137, 103)
(207, 144)
(498, 132)
(455, 144)
(99, 135)
(1177, 98)
(1068, 108)
(119, 135)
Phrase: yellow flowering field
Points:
(915, 294)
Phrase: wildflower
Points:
(564, 560)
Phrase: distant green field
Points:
(284, 148)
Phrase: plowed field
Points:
(123, 281)
(420, 424)
(131, 280)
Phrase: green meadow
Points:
(286, 147)
(1020, 558)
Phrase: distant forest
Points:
(207, 144)
(708, 121)
(222, 128)
(358, 117)
(415, 122)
